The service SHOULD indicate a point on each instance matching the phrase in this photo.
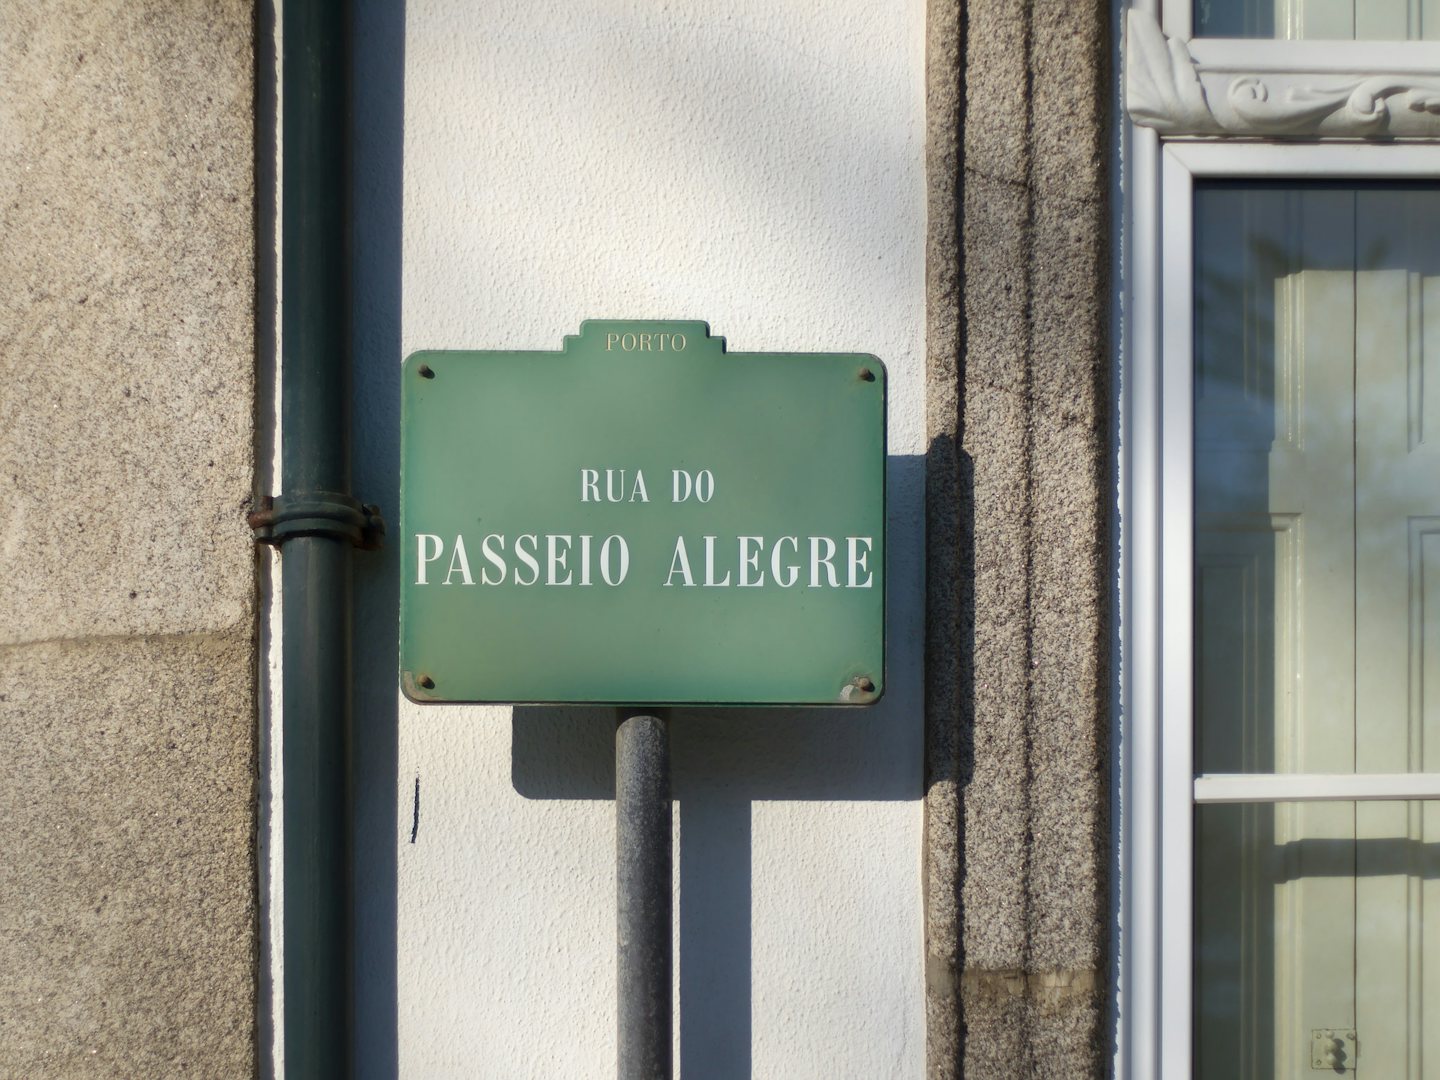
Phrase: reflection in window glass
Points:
(1317, 624)
(1345, 20)
(1317, 940)
(1317, 448)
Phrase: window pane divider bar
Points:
(1315, 787)
(1341, 160)
(1176, 15)
(1177, 766)
(1335, 58)
(1138, 998)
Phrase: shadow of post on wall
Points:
(723, 761)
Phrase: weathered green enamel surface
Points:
(552, 553)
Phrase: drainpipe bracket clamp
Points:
(317, 513)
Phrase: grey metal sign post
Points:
(643, 861)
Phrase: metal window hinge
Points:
(317, 513)
(1333, 1049)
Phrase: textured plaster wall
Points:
(126, 653)
(1020, 487)
(760, 166)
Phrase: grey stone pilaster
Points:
(127, 642)
(1019, 546)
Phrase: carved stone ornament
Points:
(1168, 90)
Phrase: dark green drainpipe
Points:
(317, 523)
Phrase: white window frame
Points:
(1158, 788)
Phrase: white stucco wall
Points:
(757, 165)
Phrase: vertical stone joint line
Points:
(1029, 526)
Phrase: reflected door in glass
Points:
(1317, 625)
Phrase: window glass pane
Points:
(1360, 20)
(1317, 453)
(1317, 940)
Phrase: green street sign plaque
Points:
(643, 518)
